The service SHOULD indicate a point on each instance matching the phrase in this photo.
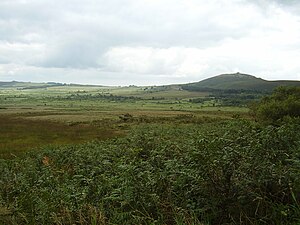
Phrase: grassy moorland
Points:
(35, 117)
(147, 155)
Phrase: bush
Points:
(284, 102)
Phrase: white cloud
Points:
(150, 41)
(21, 53)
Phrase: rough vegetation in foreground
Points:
(234, 172)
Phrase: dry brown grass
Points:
(19, 134)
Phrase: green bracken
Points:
(234, 172)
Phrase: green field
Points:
(72, 154)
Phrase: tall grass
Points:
(225, 173)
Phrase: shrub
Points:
(284, 102)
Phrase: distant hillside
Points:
(12, 84)
(237, 81)
(28, 85)
(31, 85)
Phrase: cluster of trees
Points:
(283, 103)
(231, 97)
(108, 97)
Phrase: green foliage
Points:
(227, 173)
(284, 102)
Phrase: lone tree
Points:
(284, 102)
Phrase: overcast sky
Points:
(142, 42)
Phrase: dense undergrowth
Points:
(234, 172)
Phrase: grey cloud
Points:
(130, 23)
(292, 6)
(115, 23)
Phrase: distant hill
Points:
(12, 84)
(31, 85)
(237, 81)
(28, 85)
